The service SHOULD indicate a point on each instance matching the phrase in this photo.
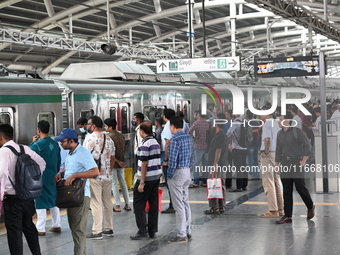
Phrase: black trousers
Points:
(150, 194)
(228, 179)
(240, 160)
(165, 173)
(290, 178)
(18, 220)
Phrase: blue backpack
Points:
(28, 177)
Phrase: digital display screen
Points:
(286, 67)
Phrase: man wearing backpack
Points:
(239, 153)
(18, 213)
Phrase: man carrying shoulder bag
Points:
(79, 163)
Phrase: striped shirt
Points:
(179, 152)
(150, 151)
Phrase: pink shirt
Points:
(7, 166)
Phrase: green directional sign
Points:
(221, 63)
(195, 65)
(173, 66)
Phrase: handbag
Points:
(214, 188)
(70, 196)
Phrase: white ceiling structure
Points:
(48, 35)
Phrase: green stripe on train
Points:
(113, 96)
(24, 99)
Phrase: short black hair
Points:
(177, 122)
(249, 114)
(169, 113)
(288, 115)
(180, 114)
(159, 120)
(294, 110)
(146, 126)
(6, 131)
(111, 122)
(220, 116)
(97, 121)
(81, 121)
(139, 116)
(44, 126)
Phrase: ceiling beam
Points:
(8, 3)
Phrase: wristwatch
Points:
(141, 183)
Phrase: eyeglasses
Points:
(64, 141)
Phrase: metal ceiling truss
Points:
(38, 40)
(300, 15)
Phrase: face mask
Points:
(82, 130)
(133, 123)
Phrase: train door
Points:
(184, 106)
(7, 117)
(121, 113)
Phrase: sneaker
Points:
(138, 236)
(152, 236)
(179, 239)
(189, 236)
(169, 210)
(108, 233)
(95, 236)
(56, 230)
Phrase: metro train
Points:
(25, 101)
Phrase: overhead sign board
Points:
(286, 67)
(196, 65)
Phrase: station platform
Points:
(240, 230)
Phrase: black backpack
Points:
(246, 135)
(28, 177)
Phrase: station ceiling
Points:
(156, 25)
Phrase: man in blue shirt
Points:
(178, 176)
(79, 164)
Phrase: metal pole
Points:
(190, 30)
(108, 20)
(325, 11)
(322, 73)
(204, 42)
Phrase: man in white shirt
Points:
(296, 118)
(137, 119)
(335, 112)
(18, 212)
(270, 179)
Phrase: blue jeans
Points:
(201, 155)
(118, 173)
(253, 162)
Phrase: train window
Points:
(153, 111)
(113, 112)
(124, 114)
(86, 113)
(48, 116)
(5, 118)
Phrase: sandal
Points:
(212, 211)
(116, 210)
(204, 185)
(127, 208)
(221, 209)
(270, 214)
(193, 186)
